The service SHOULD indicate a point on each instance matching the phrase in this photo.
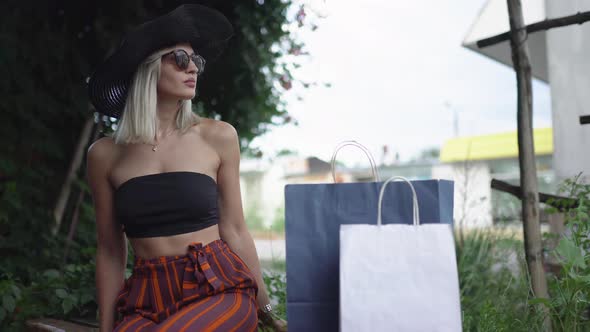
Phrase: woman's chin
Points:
(187, 96)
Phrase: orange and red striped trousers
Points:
(208, 289)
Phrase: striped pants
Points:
(208, 289)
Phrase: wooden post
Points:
(526, 155)
(547, 24)
(62, 198)
(75, 216)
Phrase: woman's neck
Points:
(166, 113)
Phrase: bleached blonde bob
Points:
(138, 122)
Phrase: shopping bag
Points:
(398, 277)
(313, 215)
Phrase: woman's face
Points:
(176, 83)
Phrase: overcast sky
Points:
(393, 66)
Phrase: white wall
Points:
(568, 50)
(473, 204)
(263, 184)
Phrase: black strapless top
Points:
(166, 203)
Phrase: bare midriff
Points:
(172, 245)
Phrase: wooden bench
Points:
(55, 325)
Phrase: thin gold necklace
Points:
(155, 146)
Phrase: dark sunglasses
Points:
(182, 59)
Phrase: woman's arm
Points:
(232, 226)
(111, 253)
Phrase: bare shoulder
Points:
(219, 134)
(102, 147)
(100, 155)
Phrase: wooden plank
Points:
(55, 325)
(560, 202)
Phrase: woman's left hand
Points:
(272, 322)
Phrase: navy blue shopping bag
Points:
(313, 215)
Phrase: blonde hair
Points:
(138, 123)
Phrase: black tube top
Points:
(166, 203)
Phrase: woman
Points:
(168, 180)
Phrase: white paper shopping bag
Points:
(398, 277)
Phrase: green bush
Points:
(496, 298)
(494, 290)
(276, 285)
(63, 294)
(569, 289)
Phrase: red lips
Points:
(190, 82)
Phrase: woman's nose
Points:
(192, 67)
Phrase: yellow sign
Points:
(495, 146)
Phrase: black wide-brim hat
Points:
(206, 29)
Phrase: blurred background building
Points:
(559, 57)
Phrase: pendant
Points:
(154, 148)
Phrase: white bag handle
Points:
(416, 212)
(365, 150)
